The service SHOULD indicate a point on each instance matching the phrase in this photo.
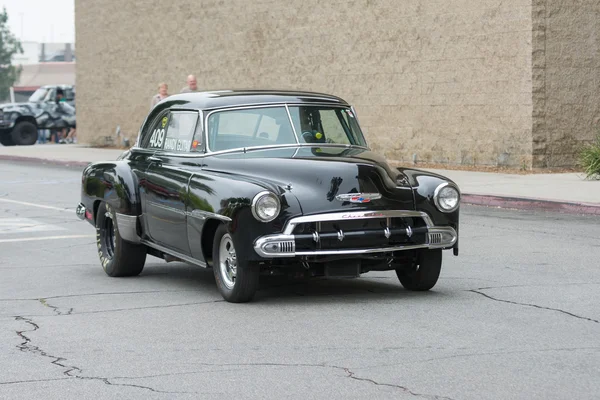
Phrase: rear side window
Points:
(155, 137)
(180, 131)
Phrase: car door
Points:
(166, 181)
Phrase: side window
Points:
(180, 131)
(238, 123)
(154, 138)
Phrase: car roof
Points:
(228, 98)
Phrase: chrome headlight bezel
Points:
(256, 204)
(436, 197)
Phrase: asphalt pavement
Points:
(515, 316)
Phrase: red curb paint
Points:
(37, 160)
(530, 204)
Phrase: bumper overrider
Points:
(421, 236)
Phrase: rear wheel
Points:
(118, 257)
(236, 279)
(24, 133)
(426, 272)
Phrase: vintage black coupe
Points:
(264, 182)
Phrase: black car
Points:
(20, 122)
(265, 182)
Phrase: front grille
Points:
(360, 233)
(435, 238)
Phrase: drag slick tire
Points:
(236, 279)
(425, 273)
(118, 257)
(24, 133)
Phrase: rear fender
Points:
(115, 184)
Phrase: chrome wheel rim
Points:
(227, 261)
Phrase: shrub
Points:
(589, 159)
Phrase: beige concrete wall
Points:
(566, 79)
(447, 80)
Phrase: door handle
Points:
(154, 159)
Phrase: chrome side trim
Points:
(262, 242)
(351, 215)
(287, 109)
(201, 214)
(126, 224)
(196, 213)
(174, 253)
(167, 208)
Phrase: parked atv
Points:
(50, 107)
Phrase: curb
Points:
(531, 204)
(509, 202)
(38, 160)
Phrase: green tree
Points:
(9, 46)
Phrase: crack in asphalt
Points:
(35, 381)
(56, 310)
(148, 307)
(477, 291)
(70, 371)
(27, 347)
(502, 353)
(100, 294)
(74, 372)
(349, 374)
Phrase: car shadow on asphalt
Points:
(290, 290)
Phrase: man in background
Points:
(192, 85)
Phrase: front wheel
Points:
(426, 272)
(118, 257)
(25, 133)
(236, 279)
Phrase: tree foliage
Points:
(9, 46)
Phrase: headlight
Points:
(265, 206)
(446, 197)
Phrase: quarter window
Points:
(180, 131)
(154, 138)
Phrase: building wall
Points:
(442, 80)
(566, 79)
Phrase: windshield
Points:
(39, 95)
(267, 126)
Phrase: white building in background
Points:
(35, 52)
(31, 54)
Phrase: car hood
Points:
(316, 175)
(7, 106)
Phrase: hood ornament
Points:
(358, 197)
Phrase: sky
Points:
(50, 21)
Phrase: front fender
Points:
(112, 182)
(231, 198)
(424, 184)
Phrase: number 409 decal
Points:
(157, 138)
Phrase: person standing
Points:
(192, 85)
(163, 89)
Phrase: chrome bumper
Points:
(80, 211)
(284, 244)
